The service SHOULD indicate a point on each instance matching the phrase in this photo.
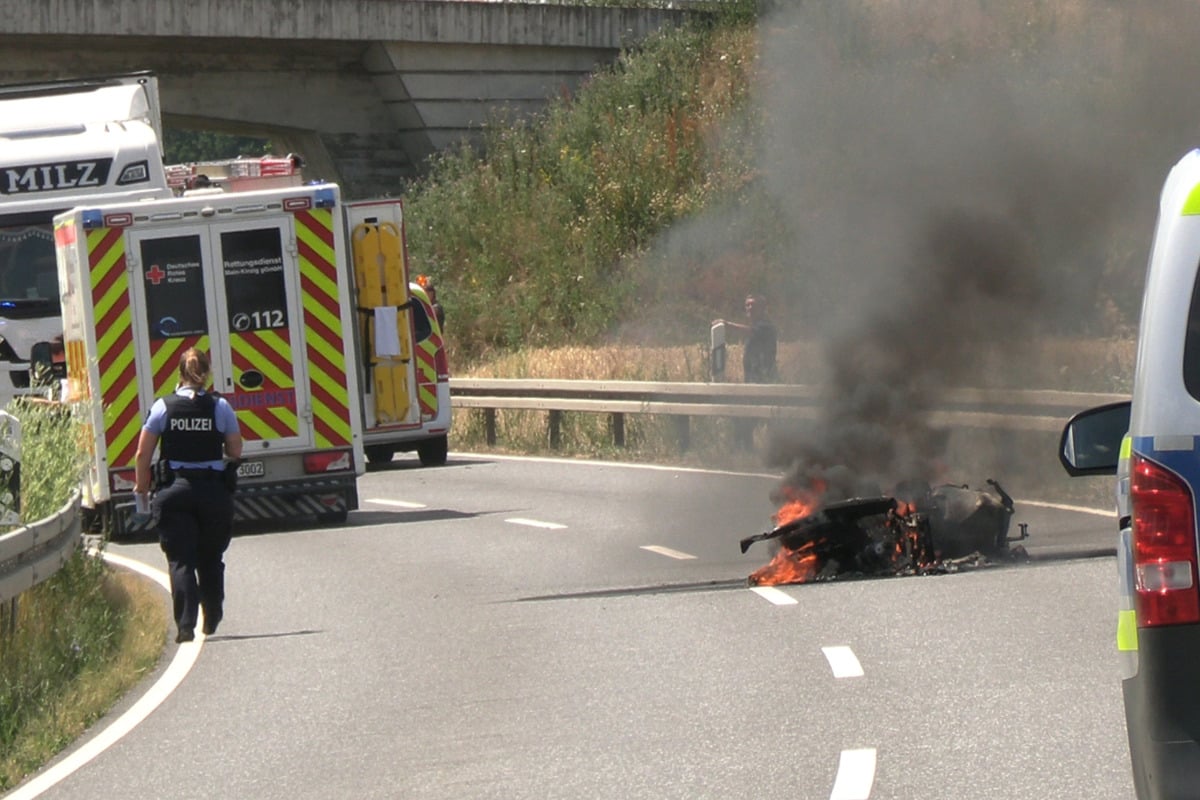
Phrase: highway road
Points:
(509, 628)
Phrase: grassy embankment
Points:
(549, 254)
(77, 642)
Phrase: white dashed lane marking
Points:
(379, 501)
(776, 596)
(666, 551)
(855, 775)
(536, 523)
(843, 662)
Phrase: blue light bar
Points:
(325, 198)
(92, 218)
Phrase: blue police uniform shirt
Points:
(227, 422)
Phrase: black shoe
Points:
(185, 635)
(210, 625)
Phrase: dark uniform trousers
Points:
(195, 524)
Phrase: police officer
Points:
(199, 430)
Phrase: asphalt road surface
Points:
(506, 628)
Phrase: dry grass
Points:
(1026, 464)
(1082, 365)
(97, 689)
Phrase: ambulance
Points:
(262, 282)
(63, 143)
(403, 367)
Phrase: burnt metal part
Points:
(842, 513)
(939, 529)
(964, 520)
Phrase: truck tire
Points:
(379, 453)
(334, 517)
(433, 452)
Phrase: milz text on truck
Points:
(62, 144)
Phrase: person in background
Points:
(758, 358)
(194, 509)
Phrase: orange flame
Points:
(788, 566)
(798, 502)
(793, 566)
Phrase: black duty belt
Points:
(200, 474)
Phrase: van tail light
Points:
(1164, 546)
(441, 364)
(328, 461)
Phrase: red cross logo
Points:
(155, 275)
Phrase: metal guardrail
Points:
(32, 553)
(1035, 410)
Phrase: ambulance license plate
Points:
(251, 469)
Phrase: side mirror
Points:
(41, 365)
(1091, 440)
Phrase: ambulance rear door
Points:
(230, 289)
(388, 368)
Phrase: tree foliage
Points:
(184, 146)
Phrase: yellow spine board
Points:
(379, 271)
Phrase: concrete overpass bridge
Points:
(366, 90)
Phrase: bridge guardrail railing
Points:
(32, 553)
(1036, 410)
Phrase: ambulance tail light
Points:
(328, 461)
(1164, 546)
(442, 365)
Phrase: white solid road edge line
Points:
(843, 662)
(185, 656)
(855, 775)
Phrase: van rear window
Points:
(174, 280)
(1191, 345)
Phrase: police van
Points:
(1152, 445)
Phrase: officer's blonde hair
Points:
(193, 368)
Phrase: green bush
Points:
(532, 239)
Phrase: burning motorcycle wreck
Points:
(919, 530)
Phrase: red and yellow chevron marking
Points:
(114, 345)
(164, 360)
(323, 328)
(427, 375)
(268, 352)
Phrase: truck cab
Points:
(64, 143)
(1152, 446)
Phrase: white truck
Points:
(63, 143)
